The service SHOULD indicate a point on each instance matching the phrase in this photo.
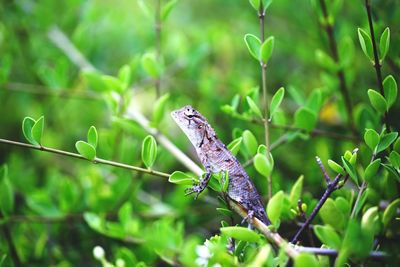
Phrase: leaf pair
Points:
(261, 52)
(382, 103)
(33, 130)
(88, 149)
(366, 44)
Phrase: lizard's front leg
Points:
(198, 188)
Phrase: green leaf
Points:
(149, 151)
(378, 102)
(250, 142)
(305, 119)
(326, 61)
(225, 212)
(150, 65)
(335, 167)
(276, 101)
(124, 76)
(234, 146)
(394, 159)
(262, 164)
(92, 136)
(330, 214)
(6, 192)
(266, 49)
(371, 138)
(266, 4)
(113, 84)
(396, 145)
(167, 8)
(366, 43)
(390, 89)
(253, 45)
(386, 140)
(356, 241)
(37, 130)
(306, 260)
(384, 43)
(371, 170)
(370, 221)
(27, 125)
(240, 233)
(328, 236)
(390, 212)
(253, 107)
(274, 208)
(255, 4)
(178, 177)
(159, 109)
(295, 192)
(350, 170)
(86, 150)
(95, 81)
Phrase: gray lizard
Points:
(216, 157)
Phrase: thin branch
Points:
(376, 62)
(340, 74)
(332, 186)
(324, 172)
(261, 16)
(332, 252)
(78, 156)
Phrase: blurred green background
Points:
(204, 62)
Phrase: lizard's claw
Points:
(249, 217)
(194, 189)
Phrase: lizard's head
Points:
(193, 124)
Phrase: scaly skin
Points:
(216, 157)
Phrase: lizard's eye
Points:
(200, 126)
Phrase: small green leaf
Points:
(150, 65)
(274, 208)
(225, 212)
(250, 142)
(335, 167)
(326, 61)
(86, 150)
(253, 45)
(328, 236)
(390, 89)
(394, 159)
(330, 214)
(253, 107)
(378, 102)
(6, 192)
(92, 136)
(371, 170)
(305, 119)
(384, 43)
(225, 181)
(386, 140)
(37, 130)
(27, 125)
(370, 221)
(124, 76)
(396, 145)
(234, 146)
(306, 260)
(167, 8)
(262, 164)
(390, 212)
(178, 177)
(95, 81)
(112, 83)
(371, 138)
(240, 233)
(266, 49)
(350, 170)
(295, 192)
(159, 109)
(149, 151)
(276, 101)
(366, 43)
(255, 4)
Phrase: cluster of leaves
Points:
(142, 220)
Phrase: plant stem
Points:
(157, 29)
(328, 191)
(340, 74)
(376, 63)
(11, 245)
(78, 156)
(261, 16)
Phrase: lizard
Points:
(216, 157)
